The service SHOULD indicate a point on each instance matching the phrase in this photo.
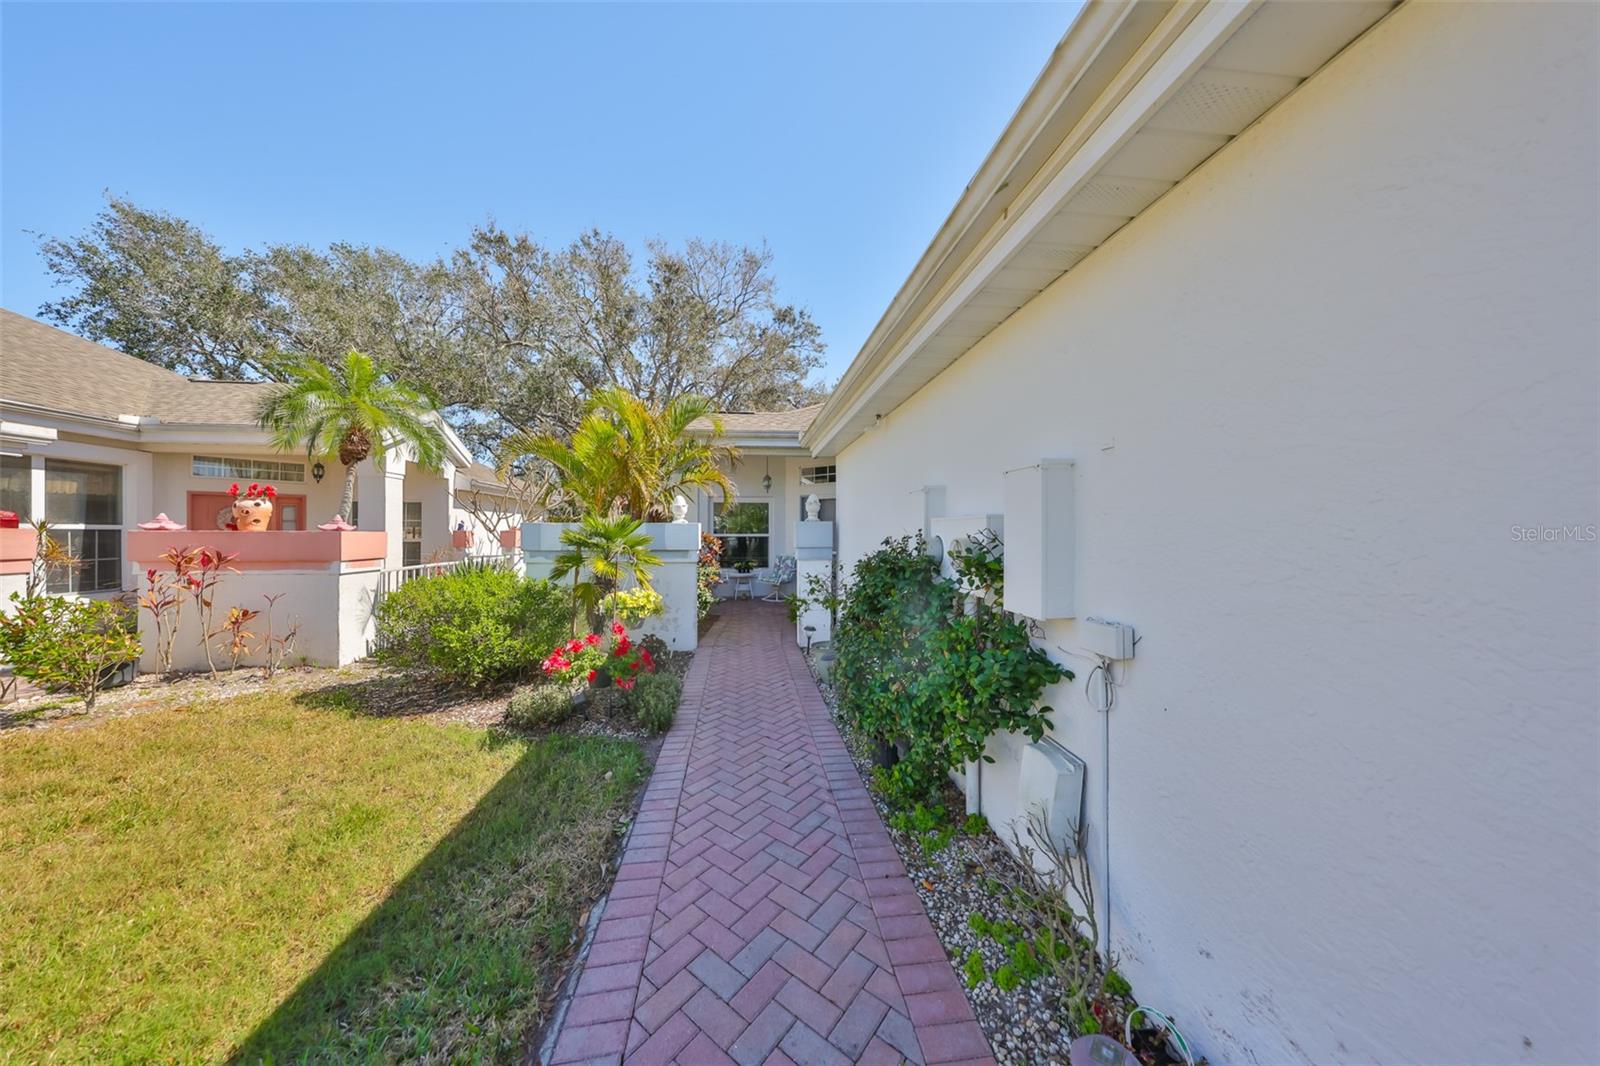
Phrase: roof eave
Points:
(1000, 180)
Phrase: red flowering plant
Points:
(627, 659)
(255, 491)
(579, 659)
(594, 658)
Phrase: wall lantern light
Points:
(317, 470)
(766, 479)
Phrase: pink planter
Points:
(16, 550)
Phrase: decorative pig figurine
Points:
(252, 509)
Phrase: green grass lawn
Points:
(271, 879)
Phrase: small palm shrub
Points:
(473, 625)
(540, 707)
(655, 701)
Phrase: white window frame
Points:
(767, 536)
(71, 579)
(411, 522)
(827, 474)
(236, 468)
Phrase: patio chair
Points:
(783, 572)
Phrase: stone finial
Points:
(680, 510)
(813, 507)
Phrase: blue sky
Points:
(840, 134)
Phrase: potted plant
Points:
(252, 510)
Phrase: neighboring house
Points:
(1306, 296)
(773, 475)
(95, 441)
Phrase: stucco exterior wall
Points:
(173, 480)
(1316, 396)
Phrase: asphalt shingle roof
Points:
(796, 421)
(51, 368)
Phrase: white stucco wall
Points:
(1311, 394)
(330, 608)
(677, 545)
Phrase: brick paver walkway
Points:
(760, 913)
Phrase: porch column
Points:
(382, 496)
(813, 553)
(437, 493)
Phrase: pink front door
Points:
(214, 510)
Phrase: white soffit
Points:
(1229, 65)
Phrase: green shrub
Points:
(973, 969)
(936, 663)
(655, 701)
(540, 707)
(473, 625)
(1115, 984)
(67, 645)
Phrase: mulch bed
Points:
(364, 687)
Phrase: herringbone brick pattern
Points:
(760, 913)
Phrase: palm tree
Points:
(611, 548)
(629, 458)
(352, 409)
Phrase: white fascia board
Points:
(25, 431)
(68, 422)
(1207, 31)
(789, 445)
(168, 436)
(453, 443)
